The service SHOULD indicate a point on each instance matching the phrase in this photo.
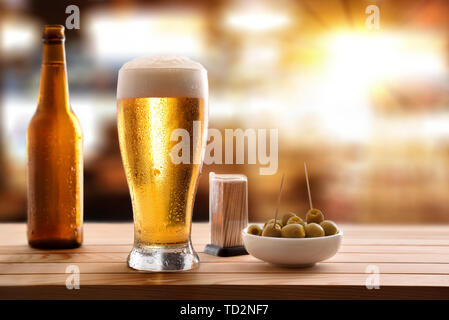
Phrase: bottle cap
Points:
(53, 32)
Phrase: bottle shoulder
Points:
(50, 115)
(48, 120)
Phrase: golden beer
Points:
(162, 192)
(55, 155)
(156, 96)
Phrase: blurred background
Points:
(367, 109)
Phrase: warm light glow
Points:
(122, 36)
(364, 59)
(17, 36)
(257, 20)
(357, 63)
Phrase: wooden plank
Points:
(121, 256)
(223, 292)
(192, 278)
(413, 262)
(21, 249)
(394, 242)
(347, 241)
(93, 230)
(225, 267)
(122, 234)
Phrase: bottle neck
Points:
(54, 89)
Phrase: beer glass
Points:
(162, 111)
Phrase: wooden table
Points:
(413, 262)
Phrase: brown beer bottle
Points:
(54, 155)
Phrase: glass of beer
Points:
(162, 111)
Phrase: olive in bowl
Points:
(291, 252)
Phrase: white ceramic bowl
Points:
(292, 252)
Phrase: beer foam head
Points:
(162, 76)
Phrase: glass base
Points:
(163, 258)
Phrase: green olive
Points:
(313, 230)
(278, 221)
(287, 216)
(329, 227)
(296, 220)
(293, 231)
(255, 230)
(314, 215)
(270, 231)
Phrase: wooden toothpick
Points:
(279, 201)
(308, 186)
